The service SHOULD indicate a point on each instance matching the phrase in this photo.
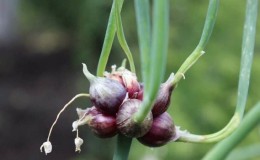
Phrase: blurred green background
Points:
(44, 42)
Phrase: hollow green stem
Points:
(246, 63)
(142, 9)
(122, 147)
(248, 152)
(215, 137)
(223, 148)
(109, 38)
(158, 57)
(121, 36)
(198, 51)
(247, 54)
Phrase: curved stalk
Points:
(121, 37)
(198, 51)
(47, 146)
(244, 78)
(185, 136)
(109, 38)
(62, 110)
(223, 148)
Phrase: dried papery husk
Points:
(127, 78)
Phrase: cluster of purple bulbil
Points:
(116, 97)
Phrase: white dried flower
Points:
(78, 142)
(75, 126)
(47, 147)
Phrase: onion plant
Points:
(132, 107)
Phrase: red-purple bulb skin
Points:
(127, 78)
(141, 92)
(131, 83)
(163, 99)
(125, 123)
(106, 94)
(161, 132)
(102, 125)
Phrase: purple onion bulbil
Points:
(106, 94)
(163, 99)
(103, 125)
(161, 132)
(125, 123)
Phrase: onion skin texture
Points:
(130, 82)
(102, 125)
(127, 78)
(141, 92)
(161, 132)
(163, 99)
(125, 123)
(115, 77)
(107, 95)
